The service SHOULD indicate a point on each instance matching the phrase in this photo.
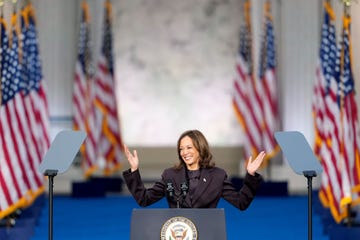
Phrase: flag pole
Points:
(347, 4)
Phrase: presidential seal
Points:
(178, 228)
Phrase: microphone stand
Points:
(177, 202)
(179, 196)
(184, 188)
(170, 189)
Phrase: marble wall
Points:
(175, 65)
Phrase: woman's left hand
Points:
(253, 165)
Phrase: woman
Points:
(194, 182)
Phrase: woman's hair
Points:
(201, 145)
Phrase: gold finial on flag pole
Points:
(14, 5)
(2, 3)
(347, 3)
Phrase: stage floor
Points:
(279, 218)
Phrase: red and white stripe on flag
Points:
(246, 105)
(83, 96)
(84, 118)
(110, 142)
(266, 87)
(349, 167)
(335, 119)
(326, 114)
(110, 145)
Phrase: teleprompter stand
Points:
(58, 160)
(303, 162)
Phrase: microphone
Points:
(184, 188)
(170, 188)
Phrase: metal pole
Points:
(309, 207)
(51, 185)
(51, 174)
(309, 175)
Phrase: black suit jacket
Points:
(213, 185)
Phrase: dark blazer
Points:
(213, 185)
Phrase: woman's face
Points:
(189, 153)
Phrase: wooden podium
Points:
(178, 223)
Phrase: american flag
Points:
(110, 145)
(266, 87)
(85, 116)
(36, 86)
(34, 98)
(330, 122)
(15, 178)
(350, 137)
(326, 114)
(246, 106)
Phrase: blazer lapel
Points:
(204, 182)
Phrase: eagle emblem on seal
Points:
(178, 228)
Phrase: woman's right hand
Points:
(132, 159)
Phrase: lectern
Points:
(178, 223)
(302, 160)
(58, 160)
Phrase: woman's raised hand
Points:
(253, 165)
(132, 159)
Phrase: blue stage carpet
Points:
(280, 218)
